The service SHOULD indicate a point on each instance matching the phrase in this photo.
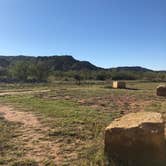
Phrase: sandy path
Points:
(3, 93)
(32, 136)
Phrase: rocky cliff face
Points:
(62, 63)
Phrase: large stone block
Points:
(136, 139)
(161, 90)
(118, 84)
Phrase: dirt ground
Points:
(32, 136)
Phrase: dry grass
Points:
(77, 115)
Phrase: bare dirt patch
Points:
(32, 137)
(19, 92)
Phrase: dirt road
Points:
(7, 92)
(32, 137)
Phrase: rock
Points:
(118, 84)
(67, 97)
(82, 101)
(161, 90)
(136, 139)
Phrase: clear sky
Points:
(108, 33)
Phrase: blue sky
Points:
(108, 33)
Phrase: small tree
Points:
(77, 79)
(19, 71)
(39, 71)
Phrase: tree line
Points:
(39, 71)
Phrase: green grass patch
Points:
(80, 128)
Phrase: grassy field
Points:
(76, 116)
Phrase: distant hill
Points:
(39, 69)
(132, 68)
(62, 63)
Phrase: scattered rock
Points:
(82, 101)
(67, 97)
(136, 139)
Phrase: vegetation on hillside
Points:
(44, 69)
